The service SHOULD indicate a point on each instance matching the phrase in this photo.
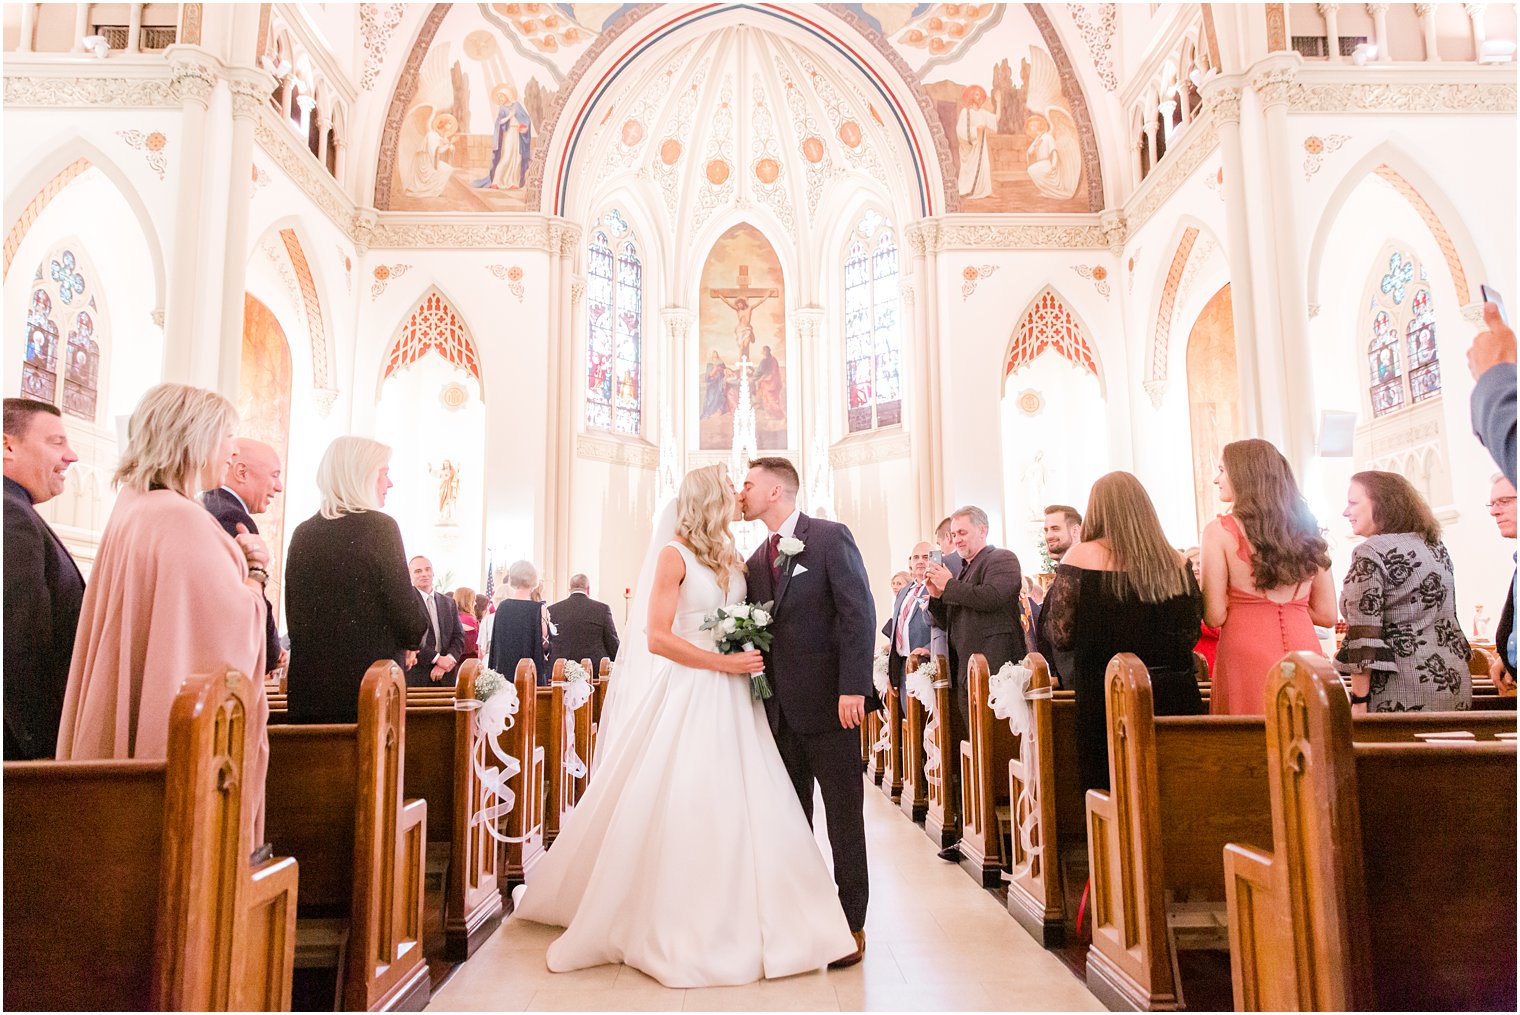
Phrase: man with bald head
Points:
(908, 629)
(251, 482)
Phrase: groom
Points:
(819, 665)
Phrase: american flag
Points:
(490, 578)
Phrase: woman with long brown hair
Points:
(1124, 588)
(1266, 575)
(1404, 648)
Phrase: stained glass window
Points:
(614, 328)
(872, 326)
(434, 327)
(64, 304)
(1402, 362)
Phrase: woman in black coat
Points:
(349, 599)
(520, 628)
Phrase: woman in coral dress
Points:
(1266, 575)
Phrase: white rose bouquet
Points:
(743, 628)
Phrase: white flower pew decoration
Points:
(495, 706)
(918, 684)
(577, 691)
(883, 681)
(1009, 696)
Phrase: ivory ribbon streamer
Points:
(918, 685)
(577, 693)
(493, 718)
(1009, 697)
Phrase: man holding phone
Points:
(1492, 361)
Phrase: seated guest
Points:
(907, 629)
(1063, 530)
(1404, 648)
(521, 627)
(581, 627)
(171, 595)
(1124, 589)
(443, 641)
(43, 587)
(1266, 575)
(349, 599)
(1501, 505)
(469, 620)
(252, 481)
(980, 613)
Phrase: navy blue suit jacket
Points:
(919, 624)
(824, 628)
(228, 511)
(1493, 415)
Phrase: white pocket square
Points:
(799, 569)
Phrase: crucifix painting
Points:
(742, 321)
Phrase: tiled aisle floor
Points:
(935, 941)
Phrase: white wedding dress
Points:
(689, 857)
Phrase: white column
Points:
(28, 28)
(1330, 13)
(194, 81)
(1427, 13)
(563, 241)
(815, 375)
(1150, 136)
(250, 90)
(134, 28)
(1379, 14)
(340, 162)
(1222, 101)
(1272, 87)
(674, 373)
(324, 124)
(81, 26)
(1475, 15)
(924, 240)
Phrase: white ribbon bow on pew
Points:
(493, 718)
(883, 682)
(1009, 697)
(918, 685)
(577, 693)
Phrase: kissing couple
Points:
(689, 858)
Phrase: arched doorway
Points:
(264, 405)
(1213, 397)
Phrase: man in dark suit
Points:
(582, 627)
(252, 481)
(980, 613)
(819, 665)
(939, 645)
(908, 629)
(43, 587)
(435, 663)
(1501, 505)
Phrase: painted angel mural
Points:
(428, 134)
(1055, 149)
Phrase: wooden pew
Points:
(939, 817)
(1391, 879)
(561, 729)
(870, 759)
(984, 760)
(599, 688)
(914, 799)
(334, 801)
(526, 819)
(127, 884)
(441, 743)
(892, 768)
(1182, 788)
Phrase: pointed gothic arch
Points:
(433, 324)
(1049, 323)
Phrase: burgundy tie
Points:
(774, 552)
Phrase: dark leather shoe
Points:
(951, 853)
(855, 956)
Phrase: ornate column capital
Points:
(1273, 85)
(362, 226)
(677, 322)
(1377, 10)
(923, 237)
(158, 317)
(1155, 387)
(1222, 102)
(905, 289)
(192, 81)
(1115, 230)
(1326, 10)
(250, 90)
(577, 291)
(1424, 10)
(1475, 10)
(809, 322)
(324, 399)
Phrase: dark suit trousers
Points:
(833, 759)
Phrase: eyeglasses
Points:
(1500, 502)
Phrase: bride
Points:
(688, 858)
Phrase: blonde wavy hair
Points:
(704, 512)
(174, 435)
(347, 476)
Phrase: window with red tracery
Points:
(434, 327)
(1050, 325)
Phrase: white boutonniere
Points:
(790, 546)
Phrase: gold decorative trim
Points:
(1401, 97)
(868, 449)
(936, 235)
(638, 454)
(24, 90)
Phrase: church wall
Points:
(876, 495)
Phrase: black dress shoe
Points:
(951, 853)
(855, 956)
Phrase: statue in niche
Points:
(448, 490)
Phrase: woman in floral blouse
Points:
(1404, 647)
